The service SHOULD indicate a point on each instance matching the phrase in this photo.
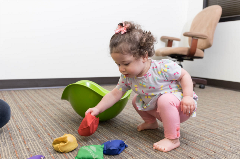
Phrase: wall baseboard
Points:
(222, 84)
(29, 83)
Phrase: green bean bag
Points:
(87, 94)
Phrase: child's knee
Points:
(165, 99)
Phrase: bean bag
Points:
(88, 125)
(114, 147)
(65, 144)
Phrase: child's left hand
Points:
(187, 105)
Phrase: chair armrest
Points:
(169, 40)
(195, 35)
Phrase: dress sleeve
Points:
(170, 70)
(123, 84)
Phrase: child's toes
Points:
(156, 147)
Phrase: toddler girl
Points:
(164, 90)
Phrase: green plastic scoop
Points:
(87, 94)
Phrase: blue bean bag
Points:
(114, 147)
(5, 113)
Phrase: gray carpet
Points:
(39, 116)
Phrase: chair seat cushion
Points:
(167, 51)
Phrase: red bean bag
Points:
(88, 125)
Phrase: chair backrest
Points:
(205, 22)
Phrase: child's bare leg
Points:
(171, 116)
(148, 117)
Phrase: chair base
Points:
(200, 81)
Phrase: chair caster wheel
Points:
(202, 86)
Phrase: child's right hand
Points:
(94, 111)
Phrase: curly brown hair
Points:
(135, 41)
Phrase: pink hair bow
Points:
(122, 29)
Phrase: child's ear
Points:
(145, 58)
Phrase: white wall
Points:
(70, 38)
(221, 61)
(194, 7)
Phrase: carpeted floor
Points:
(39, 116)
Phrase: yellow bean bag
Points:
(66, 143)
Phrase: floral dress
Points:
(161, 78)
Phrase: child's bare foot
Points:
(145, 126)
(166, 144)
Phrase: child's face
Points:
(129, 65)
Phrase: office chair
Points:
(200, 37)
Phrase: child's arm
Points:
(187, 103)
(107, 101)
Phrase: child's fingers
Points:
(193, 107)
(188, 110)
(181, 105)
(185, 109)
(88, 111)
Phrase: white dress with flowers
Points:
(161, 78)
